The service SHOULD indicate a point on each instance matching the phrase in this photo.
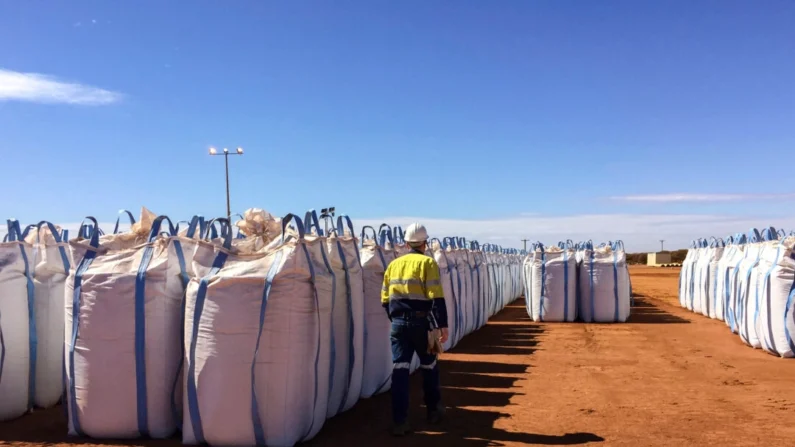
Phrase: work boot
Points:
(436, 416)
(400, 429)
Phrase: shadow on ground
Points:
(477, 394)
(645, 312)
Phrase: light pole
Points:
(326, 214)
(662, 244)
(226, 155)
(525, 244)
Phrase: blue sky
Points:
(498, 120)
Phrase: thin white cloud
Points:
(686, 197)
(640, 232)
(77, 24)
(40, 88)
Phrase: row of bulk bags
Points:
(568, 281)
(752, 286)
(33, 268)
(504, 270)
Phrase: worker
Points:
(413, 298)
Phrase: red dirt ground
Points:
(668, 377)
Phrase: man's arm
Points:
(385, 293)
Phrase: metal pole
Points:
(228, 207)
(525, 244)
(662, 242)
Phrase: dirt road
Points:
(668, 377)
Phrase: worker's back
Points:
(411, 282)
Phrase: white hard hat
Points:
(416, 232)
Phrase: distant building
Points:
(658, 258)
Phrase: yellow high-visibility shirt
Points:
(412, 277)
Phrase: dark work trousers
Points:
(410, 335)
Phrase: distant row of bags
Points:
(237, 340)
(570, 282)
(748, 281)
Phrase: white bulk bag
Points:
(748, 280)
(446, 273)
(492, 282)
(348, 335)
(733, 308)
(700, 277)
(17, 326)
(465, 276)
(686, 276)
(257, 333)
(122, 323)
(715, 253)
(553, 284)
(459, 289)
(377, 345)
(341, 323)
(50, 264)
(732, 255)
(775, 324)
(480, 283)
(604, 284)
(696, 278)
(705, 284)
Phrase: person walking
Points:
(414, 300)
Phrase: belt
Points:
(407, 315)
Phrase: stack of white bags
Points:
(568, 282)
(748, 281)
(254, 338)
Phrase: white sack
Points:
(553, 281)
(123, 321)
(604, 285)
(775, 324)
(257, 342)
(15, 284)
(377, 376)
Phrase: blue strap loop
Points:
(225, 233)
(341, 221)
(196, 223)
(451, 242)
(364, 235)
(398, 235)
(118, 219)
(754, 236)
(311, 220)
(297, 223)
(58, 240)
(769, 234)
(384, 234)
